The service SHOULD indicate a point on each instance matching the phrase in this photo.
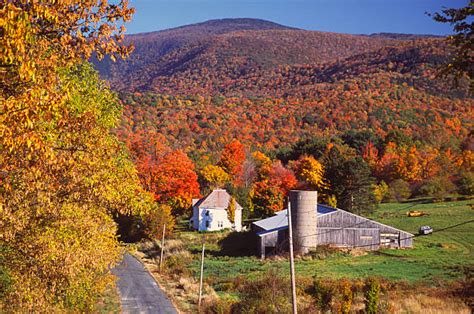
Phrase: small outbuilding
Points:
(211, 213)
(332, 226)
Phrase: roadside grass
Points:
(110, 302)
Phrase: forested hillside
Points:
(248, 105)
(374, 99)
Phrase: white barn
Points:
(210, 212)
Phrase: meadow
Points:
(445, 254)
(434, 267)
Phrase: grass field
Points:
(442, 255)
(435, 260)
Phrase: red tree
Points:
(176, 182)
(232, 159)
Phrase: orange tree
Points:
(232, 159)
(61, 171)
(176, 183)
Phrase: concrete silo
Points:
(304, 220)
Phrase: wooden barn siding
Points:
(344, 229)
(365, 238)
(342, 219)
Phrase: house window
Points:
(207, 223)
(207, 213)
(220, 224)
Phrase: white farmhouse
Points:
(210, 212)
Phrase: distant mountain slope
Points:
(222, 50)
(154, 45)
(257, 58)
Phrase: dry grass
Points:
(423, 303)
(110, 301)
(183, 290)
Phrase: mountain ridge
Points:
(257, 58)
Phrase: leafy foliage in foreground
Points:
(56, 215)
(62, 172)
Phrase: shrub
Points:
(155, 219)
(217, 305)
(399, 190)
(466, 183)
(177, 265)
(381, 191)
(267, 294)
(323, 293)
(371, 295)
(345, 291)
(438, 188)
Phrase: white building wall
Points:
(195, 218)
(238, 219)
(217, 219)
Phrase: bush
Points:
(155, 219)
(399, 190)
(466, 183)
(323, 293)
(438, 188)
(372, 295)
(177, 265)
(346, 296)
(381, 191)
(217, 305)
(268, 294)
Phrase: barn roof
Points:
(280, 220)
(216, 199)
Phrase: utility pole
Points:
(162, 247)
(292, 261)
(200, 277)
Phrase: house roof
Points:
(216, 199)
(280, 220)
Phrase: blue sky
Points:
(342, 16)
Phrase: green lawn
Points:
(441, 255)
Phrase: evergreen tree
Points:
(350, 181)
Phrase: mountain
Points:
(154, 45)
(403, 36)
(200, 86)
(199, 58)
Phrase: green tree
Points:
(438, 187)
(399, 190)
(462, 62)
(466, 183)
(350, 181)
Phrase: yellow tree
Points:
(309, 172)
(62, 172)
(231, 209)
(215, 176)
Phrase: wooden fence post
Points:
(162, 247)
(201, 276)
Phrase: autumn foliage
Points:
(63, 174)
(232, 159)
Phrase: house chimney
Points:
(304, 220)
